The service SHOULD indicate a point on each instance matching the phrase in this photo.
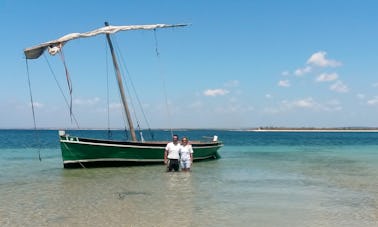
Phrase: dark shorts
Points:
(173, 164)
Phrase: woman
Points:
(186, 154)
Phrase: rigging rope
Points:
(126, 129)
(124, 67)
(66, 101)
(67, 78)
(164, 84)
(32, 105)
(61, 89)
(118, 52)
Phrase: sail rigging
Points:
(121, 89)
(55, 45)
(83, 152)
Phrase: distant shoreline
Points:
(260, 129)
(312, 130)
(341, 129)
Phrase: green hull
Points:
(84, 152)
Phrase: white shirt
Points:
(185, 152)
(173, 150)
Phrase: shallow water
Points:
(274, 179)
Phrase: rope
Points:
(124, 67)
(68, 79)
(32, 105)
(61, 89)
(126, 130)
(65, 99)
(80, 163)
(164, 84)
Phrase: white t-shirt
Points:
(173, 150)
(185, 152)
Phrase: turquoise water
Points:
(262, 179)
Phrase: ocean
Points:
(262, 179)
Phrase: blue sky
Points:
(239, 64)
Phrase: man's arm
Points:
(166, 157)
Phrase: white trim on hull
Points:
(121, 145)
(123, 160)
(112, 160)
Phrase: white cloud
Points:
(284, 83)
(319, 59)
(270, 110)
(333, 102)
(373, 101)
(196, 105)
(250, 108)
(37, 105)
(268, 96)
(285, 105)
(91, 101)
(310, 103)
(339, 86)
(300, 103)
(285, 73)
(375, 85)
(115, 106)
(361, 96)
(215, 92)
(332, 105)
(232, 83)
(304, 103)
(302, 71)
(324, 77)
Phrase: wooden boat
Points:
(88, 152)
(94, 152)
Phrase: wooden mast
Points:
(121, 90)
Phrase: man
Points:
(171, 154)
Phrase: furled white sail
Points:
(55, 45)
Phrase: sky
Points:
(239, 64)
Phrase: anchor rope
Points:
(32, 106)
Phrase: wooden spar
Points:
(121, 90)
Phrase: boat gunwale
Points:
(137, 144)
(127, 160)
